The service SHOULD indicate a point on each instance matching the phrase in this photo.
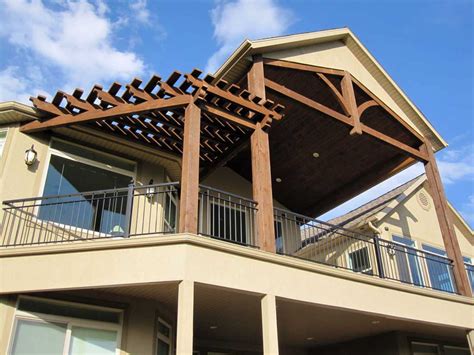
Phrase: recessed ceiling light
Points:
(213, 327)
(375, 322)
(315, 155)
(278, 180)
(310, 338)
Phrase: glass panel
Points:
(101, 212)
(451, 350)
(93, 155)
(439, 271)
(170, 212)
(279, 237)
(407, 261)
(68, 310)
(424, 349)
(470, 271)
(163, 348)
(359, 260)
(3, 137)
(87, 341)
(39, 338)
(228, 223)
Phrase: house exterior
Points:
(176, 216)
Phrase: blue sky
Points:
(426, 46)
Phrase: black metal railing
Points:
(122, 212)
(227, 216)
(310, 239)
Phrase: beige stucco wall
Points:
(410, 219)
(338, 56)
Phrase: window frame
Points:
(449, 272)
(2, 148)
(160, 336)
(417, 260)
(369, 270)
(70, 322)
(76, 158)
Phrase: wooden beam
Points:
(342, 118)
(365, 106)
(336, 93)
(188, 213)
(349, 97)
(445, 223)
(100, 114)
(255, 77)
(227, 115)
(300, 66)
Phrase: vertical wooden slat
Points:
(261, 170)
(188, 214)
(349, 97)
(445, 223)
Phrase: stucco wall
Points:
(411, 219)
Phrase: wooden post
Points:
(188, 212)
(261, 171)
(445, 223)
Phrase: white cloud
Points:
(18, 85)
(140, 11)
(455, 165)
(234, 21)
(467, 210)
(75, 38)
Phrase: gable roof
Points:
(362, 213)
(386, 203)
(239, 61)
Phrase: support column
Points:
(445, 223)
(470, 340)
(261, 170)
(269, 325)
(188, 212)
(185, 322)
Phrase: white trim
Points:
(160, 336)
(2, 147)
(68, 321)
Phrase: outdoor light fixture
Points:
(150, 190)
(315, 155)
(391, 249)
(278, 180)
(30, 156)
(310, 338)
(375, 322)
(213, 327)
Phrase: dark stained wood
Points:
(337, 93)
(366, 105)
(188, 213)
(445, 223)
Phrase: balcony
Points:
(154, 210)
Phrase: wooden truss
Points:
(345, 96)
(153, 113)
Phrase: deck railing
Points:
(227, 216)
(314, 240)
(122, 212)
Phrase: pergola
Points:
(337, 138)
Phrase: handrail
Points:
(228, 194)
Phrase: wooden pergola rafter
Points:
(343, 90)
(154, 113)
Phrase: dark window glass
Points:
(360, 261)
(99, 211)
(438, 269)
(228, 223)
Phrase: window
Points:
(279, 237)
(72, 174)
(438, 269)
(54, 333)
(407, 261)
(359, 261)
(3, 139)
(228, 223)
(170, 212)
(469, 263)
(164, 337)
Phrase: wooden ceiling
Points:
(347, 164)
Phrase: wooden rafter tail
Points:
(41, 104)
(152, 83)
(77, 103)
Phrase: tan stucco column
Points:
(470, 340)
(185, 323)
(269, 325)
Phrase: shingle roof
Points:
(361, 213)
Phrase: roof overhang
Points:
(15, 112)
(239, 61)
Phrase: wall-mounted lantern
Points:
(150, 190)
(31, 156)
